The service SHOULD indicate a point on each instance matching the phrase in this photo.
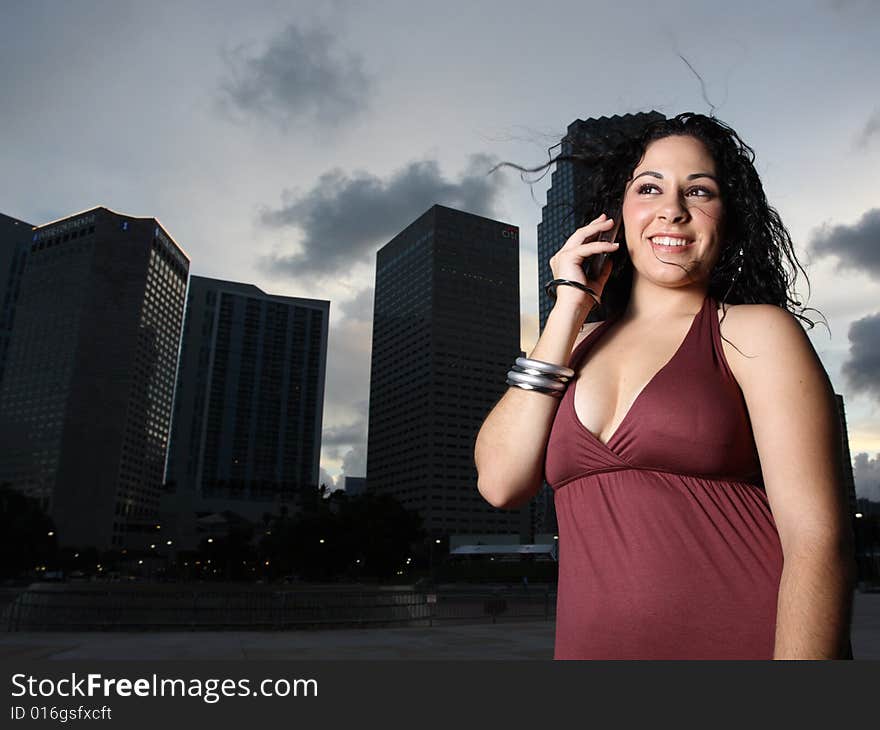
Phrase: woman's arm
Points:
(795, 421)
(511, 444)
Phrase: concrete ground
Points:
(523, 640)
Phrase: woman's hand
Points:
(568, 261)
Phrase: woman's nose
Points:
(673, 209)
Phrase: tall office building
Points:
(354, 486)
(568, 197)
(249, 404)
(445, 332)
(15, 237)
(570, 191)
(85, 403)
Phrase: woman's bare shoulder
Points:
(760, 332)
(751, 321)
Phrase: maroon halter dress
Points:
(667, 546)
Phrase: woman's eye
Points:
(705, 192)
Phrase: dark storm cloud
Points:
(348, 443)
(325, 478)
(856, 247)
(343, 219)
(296, 77)
(344, 435)
(354, 463)
(872, 128)
(862, 369)
(866, 472)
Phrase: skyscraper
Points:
(15, 237)
(250, 397)
(354, 486)
(445, 332)
(85, 402)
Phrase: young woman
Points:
(697, 475)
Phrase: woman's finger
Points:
(589, 231)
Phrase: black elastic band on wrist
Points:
(550, 288)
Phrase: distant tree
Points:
(326, 538)
(384, 530)
(309, 499)
(25, 541)
(294, 546)
(232, 555)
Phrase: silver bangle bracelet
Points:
(547, 368)
(537, 388)
(536, 380)
(540, 374)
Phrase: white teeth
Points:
(664, 241)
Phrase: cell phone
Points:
(593, 264)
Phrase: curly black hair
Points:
(768, 262)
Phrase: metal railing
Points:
(119, 608)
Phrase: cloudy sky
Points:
(284, 143)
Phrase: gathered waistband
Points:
(628, 467)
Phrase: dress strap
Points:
(717, 343)
(584, 345)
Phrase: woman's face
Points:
(674, 190)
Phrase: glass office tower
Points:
(445, 332)
(85, 402)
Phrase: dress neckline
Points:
(591, 339)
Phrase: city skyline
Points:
(211, 123)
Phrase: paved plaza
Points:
(507, 640)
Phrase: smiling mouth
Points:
(667, 243)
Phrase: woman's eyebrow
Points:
(692, 176)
